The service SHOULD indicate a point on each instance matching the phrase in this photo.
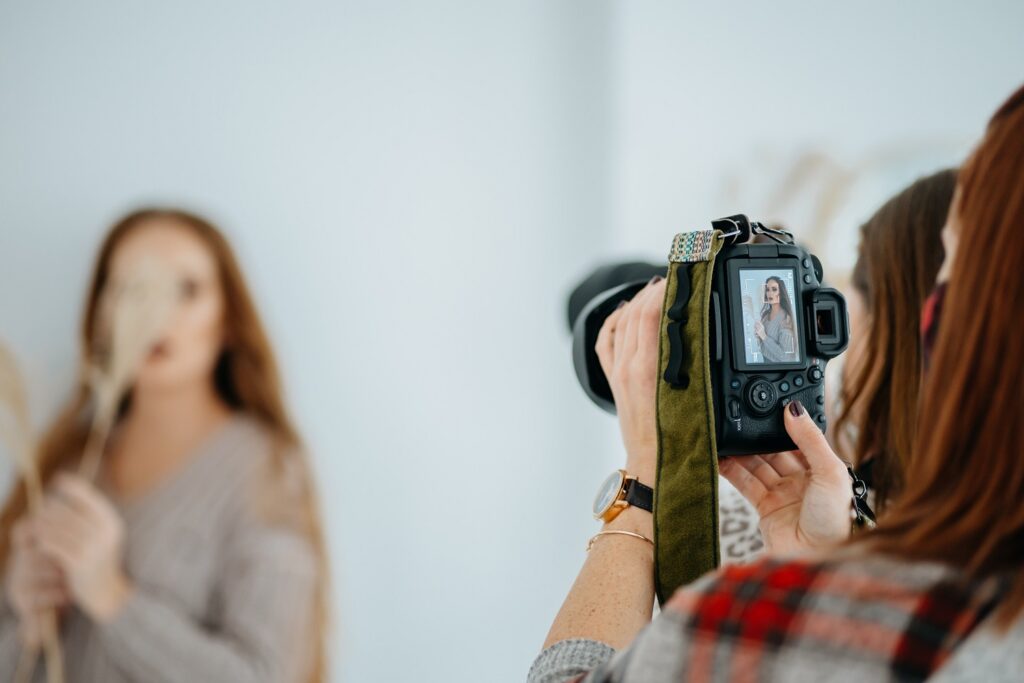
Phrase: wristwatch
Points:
(618, 492)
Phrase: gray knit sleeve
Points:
(779, 346)
(568, 659)
(987, 655)
(10, 643)
(263, 633)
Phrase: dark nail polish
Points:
(796, 409)
(655, 280)
(621, 304)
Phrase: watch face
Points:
(607, 494)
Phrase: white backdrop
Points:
(412, 188)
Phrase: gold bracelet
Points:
(616, 531)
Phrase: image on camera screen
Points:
(770, 333)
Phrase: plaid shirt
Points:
(859, 620)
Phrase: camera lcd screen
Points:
(770, 322)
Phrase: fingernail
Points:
(655, 280)
(796, 408)
(621, 304)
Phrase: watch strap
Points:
(639, 495)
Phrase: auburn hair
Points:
(898, 259)
(961, 503)
(246, 378)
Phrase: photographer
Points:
(947, 556)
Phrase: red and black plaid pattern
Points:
(781, 620)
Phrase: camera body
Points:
(772, 328)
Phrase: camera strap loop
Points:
(686, 491)
(863, 515)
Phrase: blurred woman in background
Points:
(199, 553)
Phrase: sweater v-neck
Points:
(179, 476)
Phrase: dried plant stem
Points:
(138, 311)
(99, 434)
(22, 445)
(53, 656)
(52, 653)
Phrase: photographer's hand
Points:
(803, 497)
(627, 347)
(613, 597)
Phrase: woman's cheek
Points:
(203, 335)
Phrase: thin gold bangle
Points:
(590, 544)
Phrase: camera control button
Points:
(761, 396)
(798, 381)
(735, 384)
(807, 279)
(815, 374)
(806, 263)
(820, 400)
(784, 386)
(820, 417)
(735, 411)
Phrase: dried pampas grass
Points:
(133, 314)
(16, 435)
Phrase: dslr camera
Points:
(772, 328)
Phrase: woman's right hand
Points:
(34, 585)
(803, 496)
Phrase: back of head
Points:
(962, 500)
(899, 257)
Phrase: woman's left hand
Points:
(627, 347)
(759, 330)
(83, 534)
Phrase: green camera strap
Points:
(686, 490)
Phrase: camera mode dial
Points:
(761, 396)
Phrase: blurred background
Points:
(414, 188)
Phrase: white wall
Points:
(714, 102)
(413, 187)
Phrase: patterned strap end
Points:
(691, 247)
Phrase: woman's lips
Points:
(160, 351)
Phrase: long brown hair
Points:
(899, 257)
(963, 504)
(246, 379)
(784, 303)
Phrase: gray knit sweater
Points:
(220, 594)
(779, 344)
